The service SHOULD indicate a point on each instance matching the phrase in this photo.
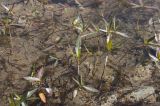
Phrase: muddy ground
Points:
(42, 35)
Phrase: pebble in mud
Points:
(138, 74)
(127, 95)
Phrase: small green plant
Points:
(110, 30)
(78, 51)
(16, 100)
(21, 100)
(6, 20)
(78, 24)
(153, 43)
(81, 27)
(155, 46)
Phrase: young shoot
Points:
(78, 51)
(78, 24)
(110, 29)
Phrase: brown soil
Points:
(48, 32)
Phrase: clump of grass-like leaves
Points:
(35, 79)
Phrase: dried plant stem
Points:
(11, 43)
(78, 67)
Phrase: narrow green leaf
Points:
(151, 39)
(158, 53)
(96, 27)
(103, 30)
(78, 42)
(11, 102)
(18, 97)
(91, 89)
(146, 42)
(122, 34)
(30, 93)
(76, 21)
(78, 52)
(109, 45)
(76, 81)
(5, 7)
(78, 47)
(81, 80)
(158, 56)
(14, 102)
(23, 104)
(155, 59)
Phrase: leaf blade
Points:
(32, 79)
(30, 93)
(122, 34)
(89, 88)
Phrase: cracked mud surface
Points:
(50, 33)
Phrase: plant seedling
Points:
(17, 100)
(78, 51)
(153, 43)
(111, 29)
(78, 24)
(39, 89)
(6, 21)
